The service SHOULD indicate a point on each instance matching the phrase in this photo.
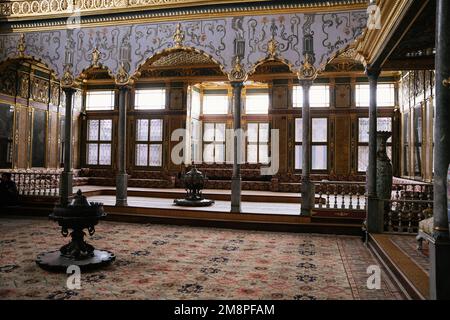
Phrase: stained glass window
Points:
(98, 147)
(149, 137)
(258, 142)
(150, 99)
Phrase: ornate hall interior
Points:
(224, 150)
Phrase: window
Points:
(385, 95)
(149, 137)
(99, 138)
(215, 103)
(383, 124)
(258, 143)
(319, 148)
(319, 145)
(214, 142)
(417, 138)
(39, 138)
(297, 96)
(6, 135)
(195, 104)
(319, 96)
(257, 102)
(150, 99)
(100, 100)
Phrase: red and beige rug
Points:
(172, 262)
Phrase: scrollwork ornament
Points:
(21, 45)
(307, 70)
(67, 80)
(96, 58)
(178, 37)
(237, 73)
(122, 77)
(272, 47)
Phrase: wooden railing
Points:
(341, 195)
(403, 216)
(42, 183)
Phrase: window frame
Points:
(214, 141)
(86, 94)
(148, 142)
(98, 142)
(258, 143)
(313, 144)
(389, 144)
(151, 109)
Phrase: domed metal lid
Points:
(79, 200)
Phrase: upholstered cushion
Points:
(427, 225)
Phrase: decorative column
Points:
(237, 145)
(237, 77)
(65, 190)
(122, 176)
(307, 187)
(374, 218)
(440, 250)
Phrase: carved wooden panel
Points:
(176, 98)
(342, 144)
(343, 96)
(280, 97)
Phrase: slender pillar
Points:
(237, 154)
(307, 187)
(440, 250)
(122, 177)
(374, 218)
(65, 190)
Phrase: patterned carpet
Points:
(171, 262)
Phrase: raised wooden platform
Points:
(408, 273)
(262, 210)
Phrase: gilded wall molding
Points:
(23, 10)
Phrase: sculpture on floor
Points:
(194, 182)
(77, 216)
(384, 167)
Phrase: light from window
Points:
(297, 97)
(385, 95)
(383, 124)
(150, 99)
(319, 130)
(257, 103)
(319, 157)
(100, 100)
(319, 96)
(195, 104)
(215, 103)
